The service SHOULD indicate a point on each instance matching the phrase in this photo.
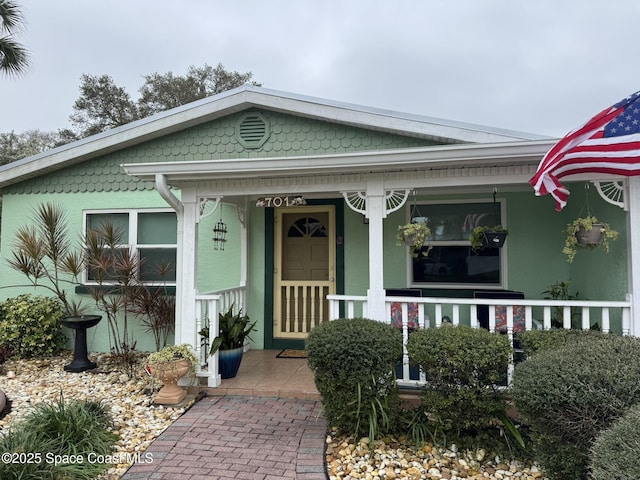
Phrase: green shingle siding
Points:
(289, 136)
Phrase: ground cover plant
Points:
(59, 441)
(352, 361)
(569, 395)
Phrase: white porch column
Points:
(243, 216)
(376, 211)
(633, 249)
(185, 274)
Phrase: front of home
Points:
(289, 206)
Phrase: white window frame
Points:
(423, 205)
(132, 238)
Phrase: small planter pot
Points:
(169, 373)
(590, 237)
(229, 362)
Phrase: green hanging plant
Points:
(580, 235)
(414, 235)
(479, 239)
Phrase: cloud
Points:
(543, 66)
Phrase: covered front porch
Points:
(375, 192)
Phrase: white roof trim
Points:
(378, 161)
(241, 98)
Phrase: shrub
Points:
(352, 361)
(464, 366)
(73, 428)
(614, 454)
(569, 394)
(533, 341)
(30, 326)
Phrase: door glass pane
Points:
(157, 228)
(305, 248)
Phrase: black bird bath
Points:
(80, 325)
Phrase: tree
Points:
(162, 92)
(14, 146)
(14, 58)
(103, 105)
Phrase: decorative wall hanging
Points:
(219, 234)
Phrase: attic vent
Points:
(252, 130)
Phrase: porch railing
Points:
(430, 312)
(208, 306)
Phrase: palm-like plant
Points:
(45, 254)
(14, 58)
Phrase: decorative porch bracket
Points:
(207, 207)
(394, 200)
(612, 192)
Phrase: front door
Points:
(304, 270)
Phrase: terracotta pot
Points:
(169, 373)
(590, 237)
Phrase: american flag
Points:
(609, 143)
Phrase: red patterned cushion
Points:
(518, 318)
(412, 314)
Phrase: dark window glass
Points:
(457, 264)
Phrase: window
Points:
(451, 262)
(151, 237)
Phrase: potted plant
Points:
(488, 237)
(414, 235)
(234, 328)
(587, 233)
(169, 365)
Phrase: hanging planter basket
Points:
(488, 237)
(587, 233)
(494, 239)
(590, 237)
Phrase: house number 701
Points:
(281, 201)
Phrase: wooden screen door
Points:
(304, 269)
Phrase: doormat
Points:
(291, 353)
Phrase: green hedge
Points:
(533, 341)
(352, 361)
(614, 454)
(30, 326)
(569, 394)
(464, 367)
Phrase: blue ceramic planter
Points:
(229, 362)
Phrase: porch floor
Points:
(261, 374)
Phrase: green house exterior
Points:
(361, 171)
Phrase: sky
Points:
(538, 66)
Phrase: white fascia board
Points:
(360, 162)
(384, 120)
(211, 108)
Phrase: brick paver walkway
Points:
(250, 438)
